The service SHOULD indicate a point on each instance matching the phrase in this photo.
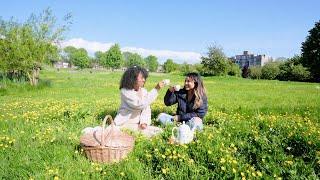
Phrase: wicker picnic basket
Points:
(107, 145)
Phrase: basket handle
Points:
(104, 122)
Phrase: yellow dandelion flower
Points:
(174, 152)
(234, 170)
(222, 160)
(191, 161)
(234, 162)
(289, 162)
(164, 171)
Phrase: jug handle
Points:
(172, 134)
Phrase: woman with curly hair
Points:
(135, 112)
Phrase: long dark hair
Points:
(129, 77)
(199, 89)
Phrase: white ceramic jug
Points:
(184, 134)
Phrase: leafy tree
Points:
(255, 72)
(215, 63)
(233, 69)
(270, 70)
(311, 52)
(24, 47)
(292, 70)
(100, 57)
(114, 58)
(299, 73)
(197, 67)
(170, 66)
(135, 59)
(126, 55)
(152, 63)
(185, 68)
(67, 51)
(77, 57)
(80, 58)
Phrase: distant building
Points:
(160, 68)
(61, 64)
(251, 59)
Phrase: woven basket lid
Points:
(110, 136)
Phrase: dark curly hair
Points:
(130, 76)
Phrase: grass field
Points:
(254, 129)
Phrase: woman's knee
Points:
(165, 119)
(195, 122)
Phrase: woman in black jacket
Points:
(192, 102)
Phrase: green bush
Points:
(300, 73)
(292, 70)
(270, 71)
(234, 70)
(255, 72)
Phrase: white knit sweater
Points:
(135, 109)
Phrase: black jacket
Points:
(185, 108)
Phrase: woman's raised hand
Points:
(171, 89)
(160, 85)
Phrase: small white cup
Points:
(166, 82)
(177, 87)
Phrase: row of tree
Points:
(115, 59)
(24, 47)
(304, 67)
(111, 59)
(288, 70)
(215, 64)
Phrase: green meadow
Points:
(254, 129)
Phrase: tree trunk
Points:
(34, 76)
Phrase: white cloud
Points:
(163, 55)
(90, 46)
(178, 56)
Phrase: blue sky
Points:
(181, 30)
